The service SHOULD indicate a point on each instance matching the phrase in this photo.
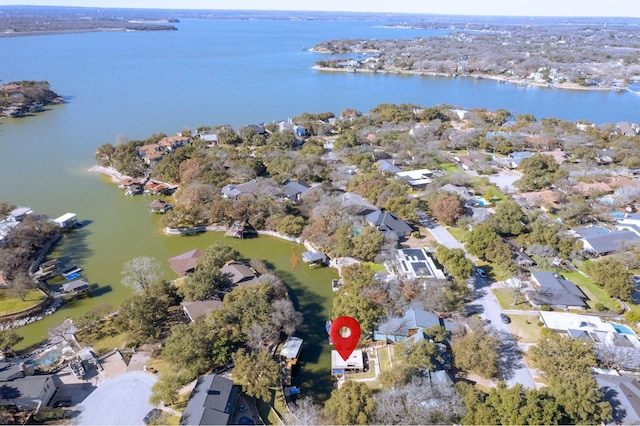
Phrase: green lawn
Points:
(594, 292)
(103, 336)
(505, 298)
(526, 328)
(376, 267)
(384, 360)
(458, 233)
(10, 304)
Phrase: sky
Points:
(598, 8)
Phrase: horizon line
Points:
(319, 11)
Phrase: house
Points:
(388, 223)
(77, 286)
(461, 191)
(159, 206)
(356, 204)
(627, 129)
(232, 192)
(545, 200)
(21, 389)
(239, 273)
(18, 214)
(67, 220)
(151, 154)
(630, 222)
(387, 166)
(416, 263)
(553, 290)
(171, 143)
(185, 262)
(516, 157)
(212, 401)
(467, 162)
(199, 309)
(623, 393)
(315, 258)
(294, 190)
(414, 319)
(587, 189)
(416, 178)
(353, 364)
(609, 336)
(599, 241)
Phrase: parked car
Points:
(481, 272)
(505, 319)
(152, 415)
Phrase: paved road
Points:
(513, 367)
(487, 306)
(122, 400)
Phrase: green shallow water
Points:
(121, 228)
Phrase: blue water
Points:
(600, 229)
(47, 359)
(623, 329)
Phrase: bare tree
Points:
(306, 413)
(141, 272)
(21, 284)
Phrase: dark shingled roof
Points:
(212, 402)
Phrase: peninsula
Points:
(541, 51)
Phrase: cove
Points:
(108, 240)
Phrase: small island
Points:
(20, 98)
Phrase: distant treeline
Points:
(22, 20)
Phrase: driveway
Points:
(122, 400)
(439, 232)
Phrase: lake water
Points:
(208, 72)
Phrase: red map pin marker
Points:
(346, 341)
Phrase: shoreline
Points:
(517, 81)
(116, 176)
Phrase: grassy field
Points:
(526, 328)
(10, 303)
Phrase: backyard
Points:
(10, 303)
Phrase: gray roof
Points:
(624, 395)
(314, 256)
(239, 273)
(388, 166)
(460, 190)
(234, 191)
(26, 392)
(293, 189)
(413, 319)
(200, 308)
(212, 402)
(291, 348)
(517, 157)
(555, 290)
(353, 201)
(386, 222)
(81, 284)
(609, 242)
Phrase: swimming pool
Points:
(46, 359)
(623, 329)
